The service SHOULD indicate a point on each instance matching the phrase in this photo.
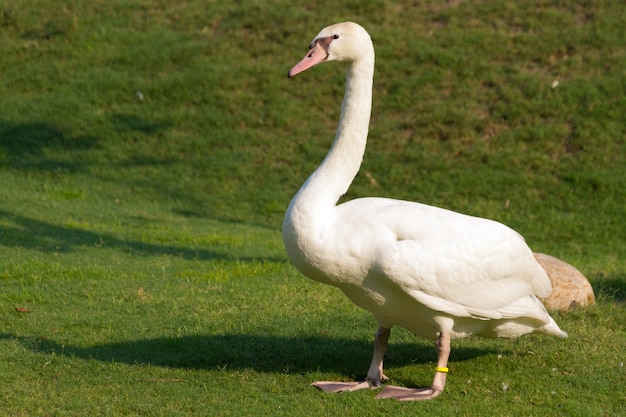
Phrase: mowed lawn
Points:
(148, 151)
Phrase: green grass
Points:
(148, 151)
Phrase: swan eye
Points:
(335, 36)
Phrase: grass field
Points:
(148, 150)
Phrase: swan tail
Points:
(553, 329)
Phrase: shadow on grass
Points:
(28, 145)
(36, 234)
(261, 353)
(612, 287)
(47, 147)
(37, 146)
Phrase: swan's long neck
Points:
(333, 177)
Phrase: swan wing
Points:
(461, 265)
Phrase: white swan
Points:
(440, 274)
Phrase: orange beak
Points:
(317, 54)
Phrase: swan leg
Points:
(375, 375)
(442, 345)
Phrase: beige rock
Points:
(570, 288)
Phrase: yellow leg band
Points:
(440, 369)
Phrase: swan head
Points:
(344, 42)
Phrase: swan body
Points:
(440, 274)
